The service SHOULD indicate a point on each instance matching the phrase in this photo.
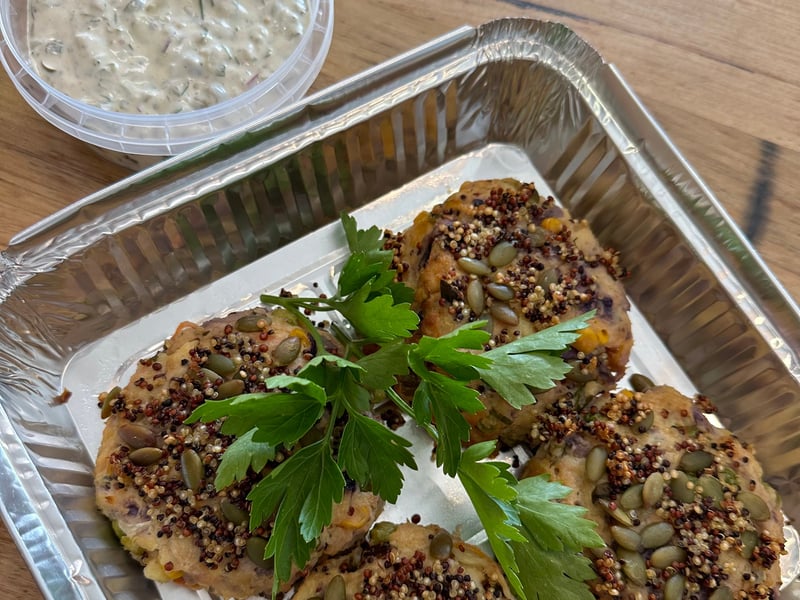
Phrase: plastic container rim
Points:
(320, 19)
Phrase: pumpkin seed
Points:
(681, 490)
(220, 364)
(667, 555)
(632, 497)
(192, 469)
(721, 593)
(145, 457)
(616, 513)
(646, 423)
(255, 548)
(596, 463)
(633, 566)
(233, 387)
(626, 538)
(749, 542)
(696, 461)
(674, 587)
(381, 532)
(253, 323)
(500, 291)
(475, 297)
(538, 237)
(233, 512)
(711, 486)
(657, 535)
(504, 313)
(441, 545)
(641, 383)
(210, 375)
(136, 436)
(547, 278)
(286, 351)
(336, 589)
(653, 489)
(502, 254)
(474, 266)
(108, 402)
(757, 508)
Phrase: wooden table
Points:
(722, 77)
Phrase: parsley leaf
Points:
(300, 491)
(443, 399)
(242, 455)
(372, 455)
(537, 541)
(539, 513)
(526, 362)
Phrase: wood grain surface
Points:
(722, 77)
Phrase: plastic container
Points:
(132, 138)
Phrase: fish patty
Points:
(681, 503)
(154, 474)
(498, 250)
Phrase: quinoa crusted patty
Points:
(407, 561)
(154, 475)
(500, 251)
(681, 504)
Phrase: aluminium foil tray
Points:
(86, 292)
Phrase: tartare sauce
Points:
(161, 56)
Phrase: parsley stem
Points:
(406, 408)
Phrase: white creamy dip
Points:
(161, 56)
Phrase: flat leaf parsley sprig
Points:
(537, 541)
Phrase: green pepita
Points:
(108, 402)
(500, 291)
(233, 512)
(232, 387)
(381, 532)
(653, 489)
(749, 542)
(336, 589)
(625, 537)
(441, 545)
(504, 313)
(696, 461)
(633, 566)
(657, 535)
(667, 555)
(758, 509)
(641, 383)
(596, 463)
(616, 513)
(220, 364)
(286, 351)
(711, 487)
(475, 296)
(632, 497)
(502, 254)
(474, 266)
(136, 436)
(255, 548)
(253, 323)
(674, 587)
(682, 488)
(145, 457)
(721, 593)
(192, 469)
